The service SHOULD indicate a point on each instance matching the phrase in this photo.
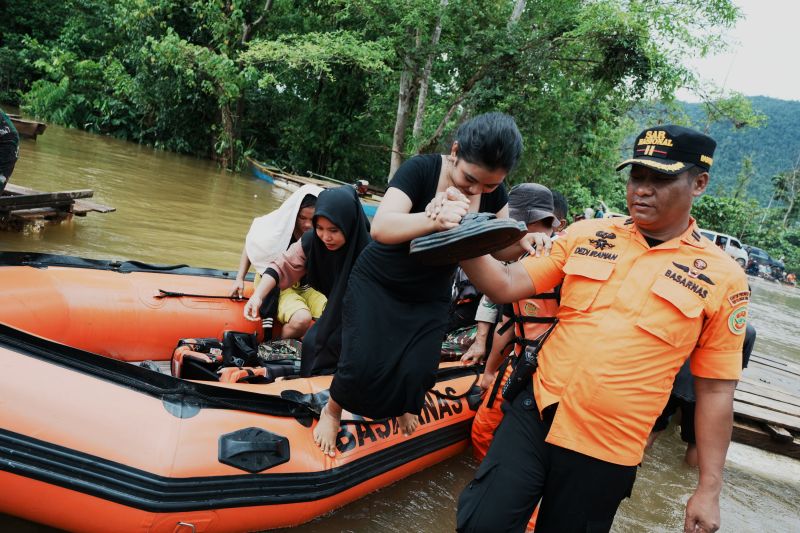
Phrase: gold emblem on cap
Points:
(707, 160)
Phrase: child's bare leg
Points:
(408, 423)
(327, 428)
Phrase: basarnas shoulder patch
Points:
(737, 320)
(739, 298)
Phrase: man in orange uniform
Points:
(638, 297)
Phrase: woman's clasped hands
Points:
(447, 208)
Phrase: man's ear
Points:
(562, 224)
(700, 184)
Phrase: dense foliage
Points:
(337, 86)
(772, 148)
(348, 88)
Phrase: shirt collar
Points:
(691, 236)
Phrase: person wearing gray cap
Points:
(524, 321)
(532, 204)
(639, 296)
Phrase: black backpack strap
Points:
(501, 371)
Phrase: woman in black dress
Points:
(395, 309)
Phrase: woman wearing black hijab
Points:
(324, 255)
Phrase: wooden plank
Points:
(777, 433)
(45, 199)
(780, 363)
(12, 188)
(38, 213)
(753, 435)
(769, 387)
(776, 365)
(81, 207)
(62, 203)
(767, 403)
(761, 414)
(774, 393)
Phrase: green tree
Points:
(726, 214)
(787, 190)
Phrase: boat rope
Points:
(170, 294)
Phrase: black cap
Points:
(672, 149)
(531, 202)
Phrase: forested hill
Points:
(774, 147)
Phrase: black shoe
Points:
(478, 234)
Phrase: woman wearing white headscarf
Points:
(269, 236)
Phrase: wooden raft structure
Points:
(21, 205)
(766, 407)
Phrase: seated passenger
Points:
(269, 236)
(324, 256)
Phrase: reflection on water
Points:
(176, 209)
(170, 208)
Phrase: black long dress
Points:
(396, 312)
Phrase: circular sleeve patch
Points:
(737, 321)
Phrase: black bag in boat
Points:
(240, 349)
(197, 359)
(234, 359)
(478, 234)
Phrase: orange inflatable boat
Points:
(90, 440)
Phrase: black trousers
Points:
(6, 168)
(686, 408)
(578, 493)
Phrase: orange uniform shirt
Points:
(630, 315)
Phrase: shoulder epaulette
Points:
(629, 221)
(695, 235)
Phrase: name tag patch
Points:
(739, 298)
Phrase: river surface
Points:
(176, 209)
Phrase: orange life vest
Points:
(532, 317)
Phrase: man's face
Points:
(660, 203)
(541, 226)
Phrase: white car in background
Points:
(730, 245)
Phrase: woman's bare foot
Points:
(408, 423)
(327, 430)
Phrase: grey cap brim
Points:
(665, 166)
(526, 216)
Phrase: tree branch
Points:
(248, 28)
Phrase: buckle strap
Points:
(545, 296)
(537, 319)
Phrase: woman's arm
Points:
(238, 283)
(289, 268)
(394, 224)
(253, 305)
